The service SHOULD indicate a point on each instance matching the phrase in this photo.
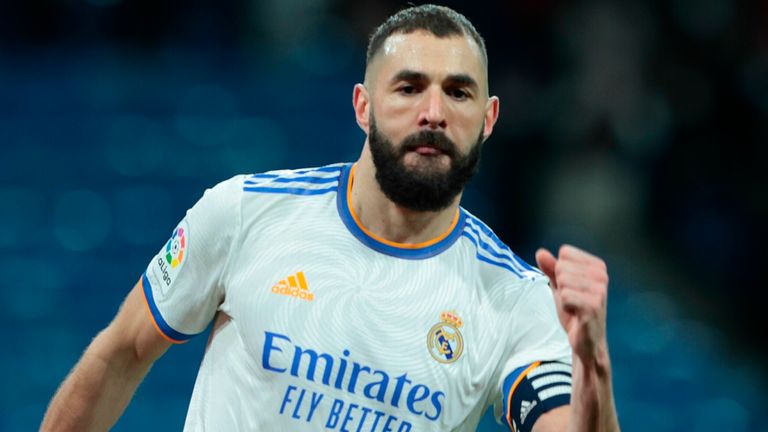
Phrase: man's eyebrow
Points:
(462, 80)
(409, 76)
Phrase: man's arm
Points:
(591, 408)
(98, 389)
(580, 286)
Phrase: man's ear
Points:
(361, 104)
(491, 115)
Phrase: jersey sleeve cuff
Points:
(532, 390)
(162, 326)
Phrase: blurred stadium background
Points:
(635, 129)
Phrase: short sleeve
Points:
(535, 339)
(182, 285)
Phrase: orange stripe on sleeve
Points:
(512, 391)
(152, 317)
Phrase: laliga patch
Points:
(171, 259)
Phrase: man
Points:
(362, 296)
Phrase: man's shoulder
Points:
(302, 181)
(491, 251)
(231, 194)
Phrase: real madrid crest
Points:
(444, 339)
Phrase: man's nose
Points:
(433, 113)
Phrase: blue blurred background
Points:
(635, 129)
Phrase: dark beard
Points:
(421, 188)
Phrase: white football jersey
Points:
(320, 324)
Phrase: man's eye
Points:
(459, 94)
(408, 89)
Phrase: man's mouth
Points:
(427, 151)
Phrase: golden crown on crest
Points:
(450, 317)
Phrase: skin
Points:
(101, 385)
(579, 282)
(416, 82)
(403, 104)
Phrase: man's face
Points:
(428, 114)
(425, 186)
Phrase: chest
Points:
(317, 308)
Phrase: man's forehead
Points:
(426, 52)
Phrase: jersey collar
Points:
(422, 250)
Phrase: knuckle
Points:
(600, 263)
(560, 272)
(599, 275)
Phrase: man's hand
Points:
(579, 283)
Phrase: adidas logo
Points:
(294, 285)
(525, 408)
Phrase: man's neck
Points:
(385, 219)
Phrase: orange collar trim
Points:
(427, 243)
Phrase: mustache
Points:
(426, 138)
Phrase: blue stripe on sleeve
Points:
(159, 320)
(292, 191)
(486, 247)
(303, 179)
(477, 226)
(479, 246)
(324, 169)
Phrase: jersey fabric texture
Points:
(320, 324)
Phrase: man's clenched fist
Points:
(579, 282)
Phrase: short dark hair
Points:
(441, 21)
